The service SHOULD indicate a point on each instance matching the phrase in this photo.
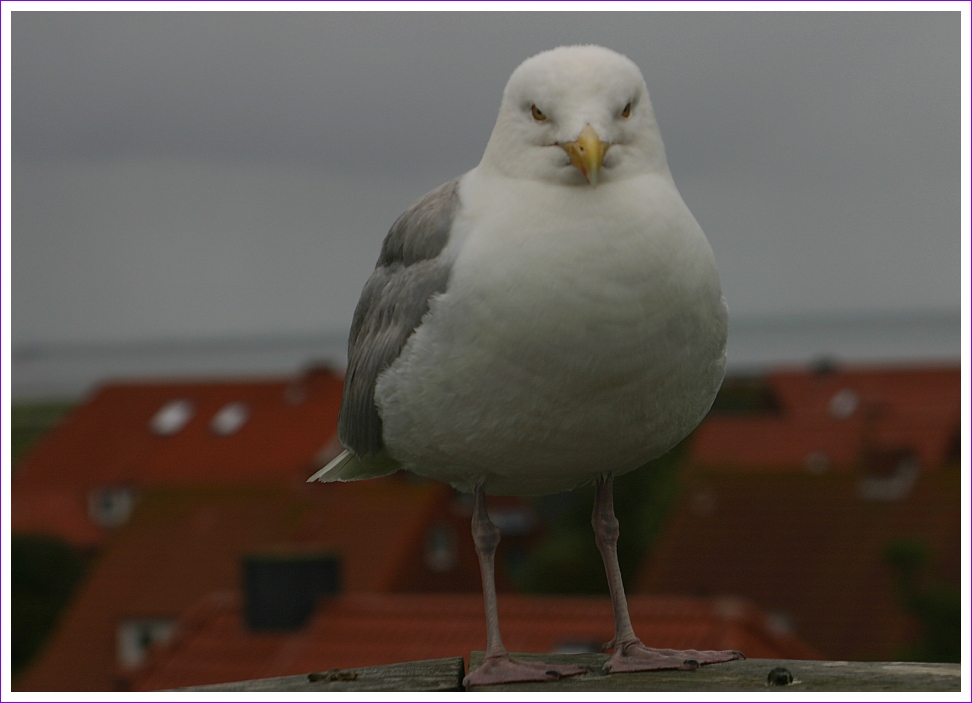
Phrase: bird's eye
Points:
(537, 115)
(626, 112)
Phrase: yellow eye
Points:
(626, 112)
(537, 115)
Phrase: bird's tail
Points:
(347, 466)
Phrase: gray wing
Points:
(409, 272)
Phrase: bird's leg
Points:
(486, 536)
(606, 535)
(629, 653)
(497, 666)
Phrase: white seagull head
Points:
(575, 115)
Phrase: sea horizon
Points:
(70, 371)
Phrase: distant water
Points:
(71, 371)
(758, 344)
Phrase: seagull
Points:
(551, 318)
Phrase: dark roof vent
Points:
(283, 587)
(824, 365)
(746, 395)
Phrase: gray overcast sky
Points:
(199, 175)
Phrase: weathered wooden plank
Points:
(747, 675)
(427, 675)
(744, 675)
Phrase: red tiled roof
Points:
(183, 543)
(212, 645)
(915, 409)
(49, 510)
(809, 548)
(108, 441)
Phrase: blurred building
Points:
(181, 488)
(182, 544)
(84, 479)
(192, 496)
(831, 498)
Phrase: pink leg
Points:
(629, 653)
(497, 666)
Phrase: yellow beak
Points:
(587, 153)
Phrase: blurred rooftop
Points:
(83, 478)
(793, 491)
(799, 492)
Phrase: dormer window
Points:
(229, 419)
(137, 635)
(171, 417)
(110, 506)
(889, 475)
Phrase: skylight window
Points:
(230, 419)
(172, 417)
(843, 404)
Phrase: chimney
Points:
(282, 587)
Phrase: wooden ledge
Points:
(426, 675)
(744, 675)
(748, 675)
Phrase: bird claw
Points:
(632, 655)
(500, 669)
